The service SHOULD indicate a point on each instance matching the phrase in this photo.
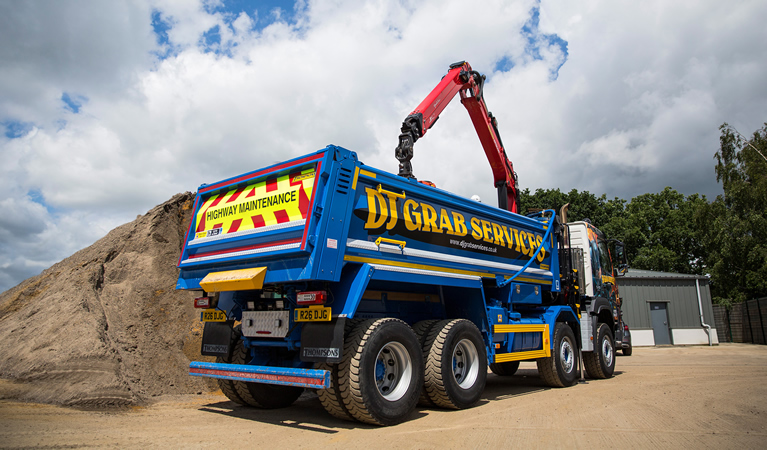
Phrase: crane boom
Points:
(469, 83)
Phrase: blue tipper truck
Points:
(381, 292)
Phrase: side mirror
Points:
(621, 263)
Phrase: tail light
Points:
(625, 327)
(312, 298)
(202, 302)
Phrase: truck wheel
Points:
(561, 368)
(227, 386)
(456, 365)
(601, 362)
(382, 371)
(626, 351)
(331, 397)
(260, 395)
(422, 329)
(505, 369)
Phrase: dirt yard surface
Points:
(669, 397)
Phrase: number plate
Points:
(312, 314)
(213, 315)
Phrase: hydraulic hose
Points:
(537, 252)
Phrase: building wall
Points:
(681, 300)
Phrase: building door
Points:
(659, 319)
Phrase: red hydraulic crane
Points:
(461, 78)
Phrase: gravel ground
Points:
(668, 397)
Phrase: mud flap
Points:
(323, 341)
(217, 339)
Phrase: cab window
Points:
(604, 258)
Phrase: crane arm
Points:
(469, 83)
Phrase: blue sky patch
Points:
(233, 8)
(73, 103)
(536, 40)
(160, 26)
(211, 37)
(16, 129)
(504, 64)
(210, 42)
(262, 12)
(37, 196)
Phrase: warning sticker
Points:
(267, 202)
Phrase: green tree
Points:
(734, 226)
(659, 232)
(658, 229)
(583, 205)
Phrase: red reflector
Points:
(312, 298)
(263, 332)
(202, 302)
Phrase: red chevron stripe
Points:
(249, 176)
(235, 226)
(281, 216)
(258, 221)
(201, 225)
(235, 195)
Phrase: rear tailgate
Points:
(261, 218)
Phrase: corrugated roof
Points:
(651, 274)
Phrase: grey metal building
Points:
(665, 308)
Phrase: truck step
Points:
(286, 376)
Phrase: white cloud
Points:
(634, 108)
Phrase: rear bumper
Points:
(286, 376)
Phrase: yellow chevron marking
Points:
(545, 352)
(522, 328)
(521, 356)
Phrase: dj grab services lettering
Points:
(388, 209)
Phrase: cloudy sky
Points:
(109, 108)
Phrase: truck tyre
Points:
(260, 395)
(227, 386)
(456, 364)
(601, 362)
(330, 398)
(561, 368)
(626, 351)
(382, 371)
(505, 369)
(421, 330)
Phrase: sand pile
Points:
(106, 327)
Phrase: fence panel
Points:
(755, 320)
(722, 323)
(744, 322)
(736, 322)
